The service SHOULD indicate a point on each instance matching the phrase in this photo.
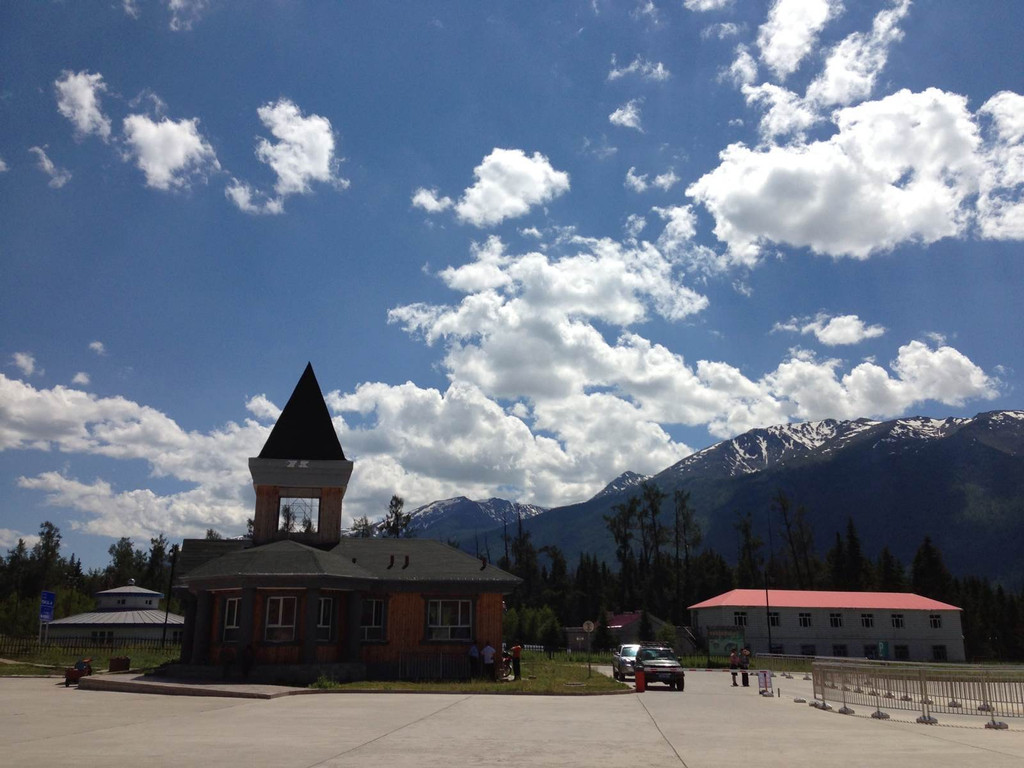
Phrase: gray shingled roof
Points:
(121, 618)
(428, 561)
(281, 558)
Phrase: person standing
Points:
(487, 654)
(734, 664)
(745, 667)
(474, 661)
(517, 652)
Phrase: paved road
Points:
(710, 725)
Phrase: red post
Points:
(641, 681)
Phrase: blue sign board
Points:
(46, 606)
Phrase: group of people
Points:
(740, 661)
(482, 660)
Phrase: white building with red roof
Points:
(900, 626)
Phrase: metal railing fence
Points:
(15, 647)
(989, 692)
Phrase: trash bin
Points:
(641, 681)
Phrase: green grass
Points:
(32, 670)
(57, 659)
(540, 676)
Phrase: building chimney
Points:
(391, 563)
(406, 563)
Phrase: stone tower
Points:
(301, 474)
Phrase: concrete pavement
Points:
(711, 724)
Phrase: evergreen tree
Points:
(928, 573)
(748, 567)
(857, 569)
(645, 632)
(890, 573)
(362, 528)
(396, 522)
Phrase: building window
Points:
(102, 638)
(901, 652)
(231, 610)
(867, 620)
(449, 619)
(839, 649)
(149, 602)
(773, 620)
(280, 619)
(325, 619)
(371, 625)
(777, 648)
(835, 620)
(897, 621)
(808, 650)
(871, 651)
(739, 618)
(298, 514)
(805, 620)
(935, 621)
(939, 653)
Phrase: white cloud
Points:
(428, 200)
(170, 153)
(646, 9)
(641, 67)
(78, 101)
(627, 116)
(3, 166)
(303, 154)
(98, 347)
(833, 331)
(706, 5)
(899, 169)
(721, 31)
(1001, 202)
(635, 224)
(81, 379)
(25, 362)
(75, 422)
(185, 13)
(262, 408)
(131, 8)
(743, 69)
(508, 184)
(58, 176)
(665, 181)
(637, 183)
(791, 32)
(785, 113)
(854, 64)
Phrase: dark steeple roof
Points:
(304, 429)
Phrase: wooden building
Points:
(298, 600)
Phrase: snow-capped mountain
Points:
(623, 482)
(769, 447)
(460, 517)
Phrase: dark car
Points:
(622, 660)
(660, 665)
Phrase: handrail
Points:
(957, 689)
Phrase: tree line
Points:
(26, 572)
(663, 567)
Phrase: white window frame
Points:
(325, 624)
(374, 631)
(232, 610)
(461, 630)
(835, 620)
(739, 618)
(774, 619)
(897, 621)
(867, 620)
(278, 631)
(805, 620)
(935, 620)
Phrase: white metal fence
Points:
(989, 692)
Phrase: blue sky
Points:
(526, 246)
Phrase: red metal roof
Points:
(798, 598)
